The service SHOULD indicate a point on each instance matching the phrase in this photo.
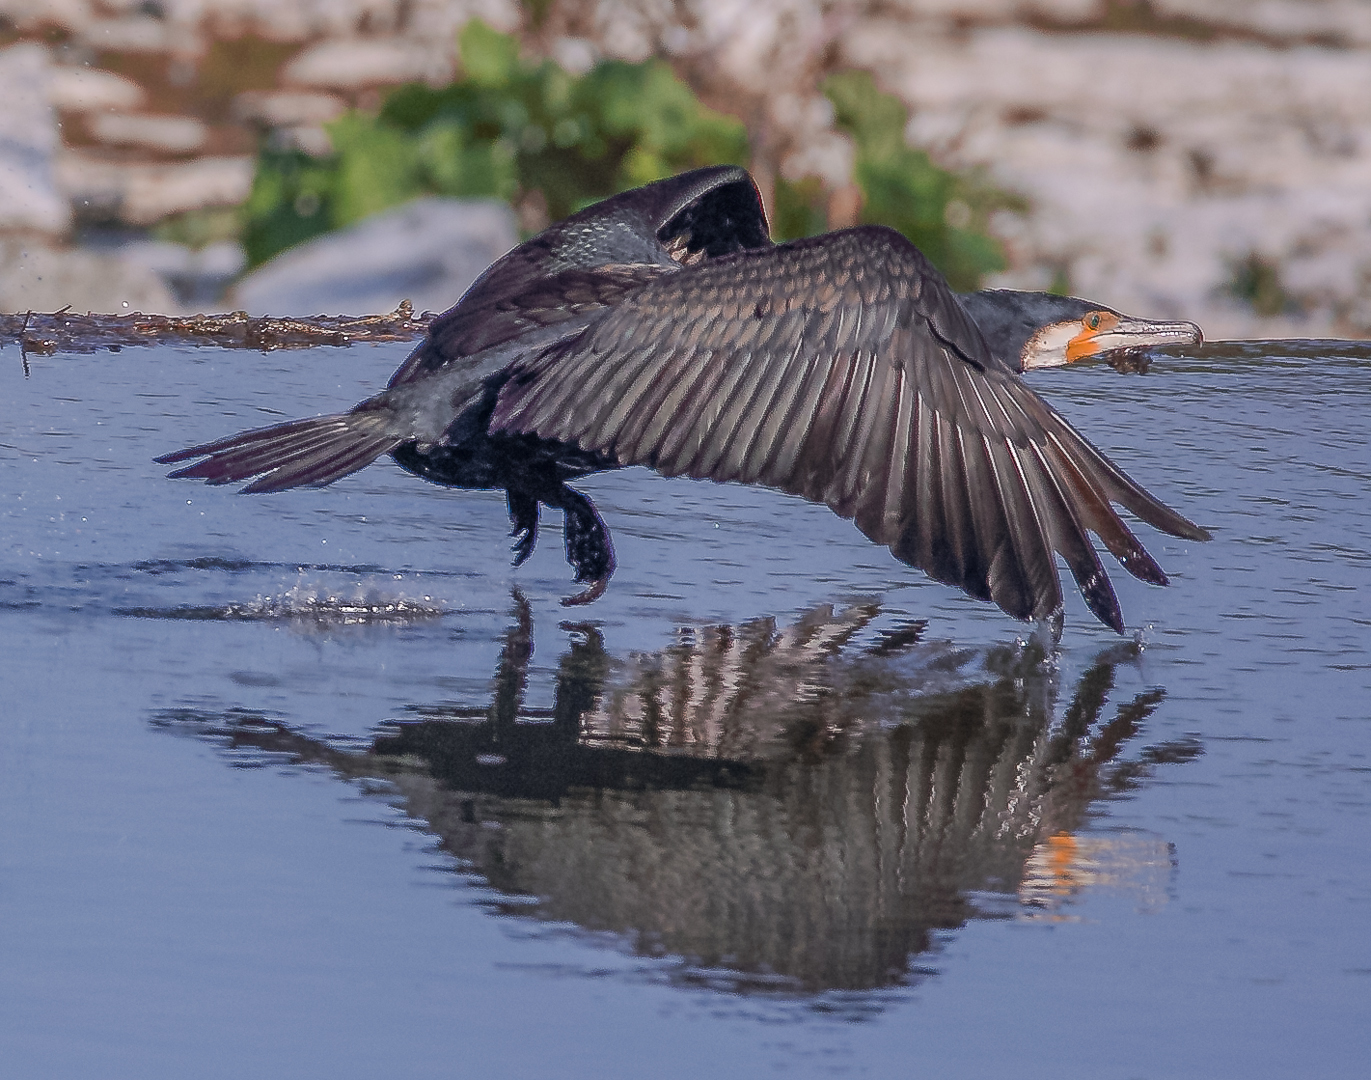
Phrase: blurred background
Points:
(1202, 159)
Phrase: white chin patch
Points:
(1047, 348)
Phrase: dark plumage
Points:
(662, 328)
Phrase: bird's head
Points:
(1030, 330)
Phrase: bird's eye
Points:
(1092, 321)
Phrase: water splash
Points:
(310, 604)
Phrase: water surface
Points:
(315, 784)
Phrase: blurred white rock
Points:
(88, 89)
(283, 108)
(29, 196)
(37, 276)
(295, 118)
(141, 193)
(1343, 22)
(134, 33)
(169, 134)
(427, 252)
(33, 14)
(197, 277)
(352, 64)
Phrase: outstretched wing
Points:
(843, 369)
(698, 215)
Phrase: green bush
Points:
(944, 214)
(531, 132)
(507, 129)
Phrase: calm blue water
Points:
(314, 784)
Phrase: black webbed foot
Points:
(523, 516)
(587, 539)
(588, 546)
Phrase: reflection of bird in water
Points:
(662, 328)
(782, 808)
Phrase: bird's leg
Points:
(588, 547)
(523, 516)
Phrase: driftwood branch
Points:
(65, 331)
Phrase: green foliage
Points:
(197, 228)
(1256, 279)
(535, 135)
(508, 129)
(291, 201)
(944, 214)
(799, 208)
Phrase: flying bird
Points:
(662, 327)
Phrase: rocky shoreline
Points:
(1179, 158)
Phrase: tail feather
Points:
(241, 461)
(302, 452)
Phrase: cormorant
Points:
(662, 327)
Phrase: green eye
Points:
(1093, 321)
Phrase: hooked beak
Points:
(1126, 332)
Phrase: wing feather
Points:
(925, 520)
(1068, 535)
(632, 383)
(900, 455)
(865, 478)
(677, 394)
(969, 550)
(755, 441)
(847, 428)
(815, 461)
(684, 433)
(735, 393)
(772, 451)
(794, 431)
(1023, 572)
